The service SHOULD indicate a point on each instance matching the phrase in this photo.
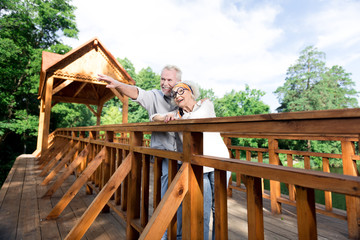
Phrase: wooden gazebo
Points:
(72, 78)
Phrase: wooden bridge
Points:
(99, 181)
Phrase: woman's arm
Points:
(157, 117)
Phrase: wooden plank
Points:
(28, 223)
(168, 206)
(306, 217)
(53, 161)
(193, 205)
(221, 209)
(43, 161)
(274, 185)
(254, 208)
(99, 202)
(61, 164)
(68, 171)
(352, 204)
(134, 188)
(73, 190)
(10, 206)
(157, 181)
(343, 184)
(145, 186)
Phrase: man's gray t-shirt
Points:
(154, 101)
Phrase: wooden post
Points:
(125, 109)
(349, 168)
(45, 125)
(306, 215)
(291, 186)
(193, 205)
(109, 137)
(221, 217)
(157, 181)
(275, 192)
(41, 125)
(255, 214)
(328, 199)
(133, 210)
(145, 182)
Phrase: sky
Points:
(224, 44)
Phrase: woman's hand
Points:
(169, 117)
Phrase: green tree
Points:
(26, 29)
(310, 85)
(247, 102)
(147, 80)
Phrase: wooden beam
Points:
(168, 206)
(62, 86)
(221, 217)
(78, 231)
(68, 171)
(255, 214)
(74, 189)
(61, 164)
(76, 100)
(45, 125)
(79, 89)
(46, 166)
(193, 206)
(306, 216)
(91, 109)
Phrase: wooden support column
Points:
(274, 185)
(255, 214)
(41, 125)
(109, 137)
(328, 199)
(157, 181)
(352, 203)
(221, 217)
(125, 109)
(193, 205)
(134, 188)
(306, 215)
(45, 125)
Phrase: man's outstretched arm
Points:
(128, 90)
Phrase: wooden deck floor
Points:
(22, 212)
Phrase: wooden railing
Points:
(119, 170)
(256, 154)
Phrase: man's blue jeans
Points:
(164, 187)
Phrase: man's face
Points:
(167, 81)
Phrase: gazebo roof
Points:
(75, 74)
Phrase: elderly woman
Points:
(185, 95)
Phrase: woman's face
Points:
(184, 99)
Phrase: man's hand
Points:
(111, 83)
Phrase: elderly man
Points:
(155, 101)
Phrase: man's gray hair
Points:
(173, 67)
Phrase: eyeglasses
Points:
(180, 91)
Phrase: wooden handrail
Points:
(99, 166)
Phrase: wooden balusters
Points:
(274, 185)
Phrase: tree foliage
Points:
(247, 102)
(310, 85)
(26, 29)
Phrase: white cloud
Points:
(222, 45)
